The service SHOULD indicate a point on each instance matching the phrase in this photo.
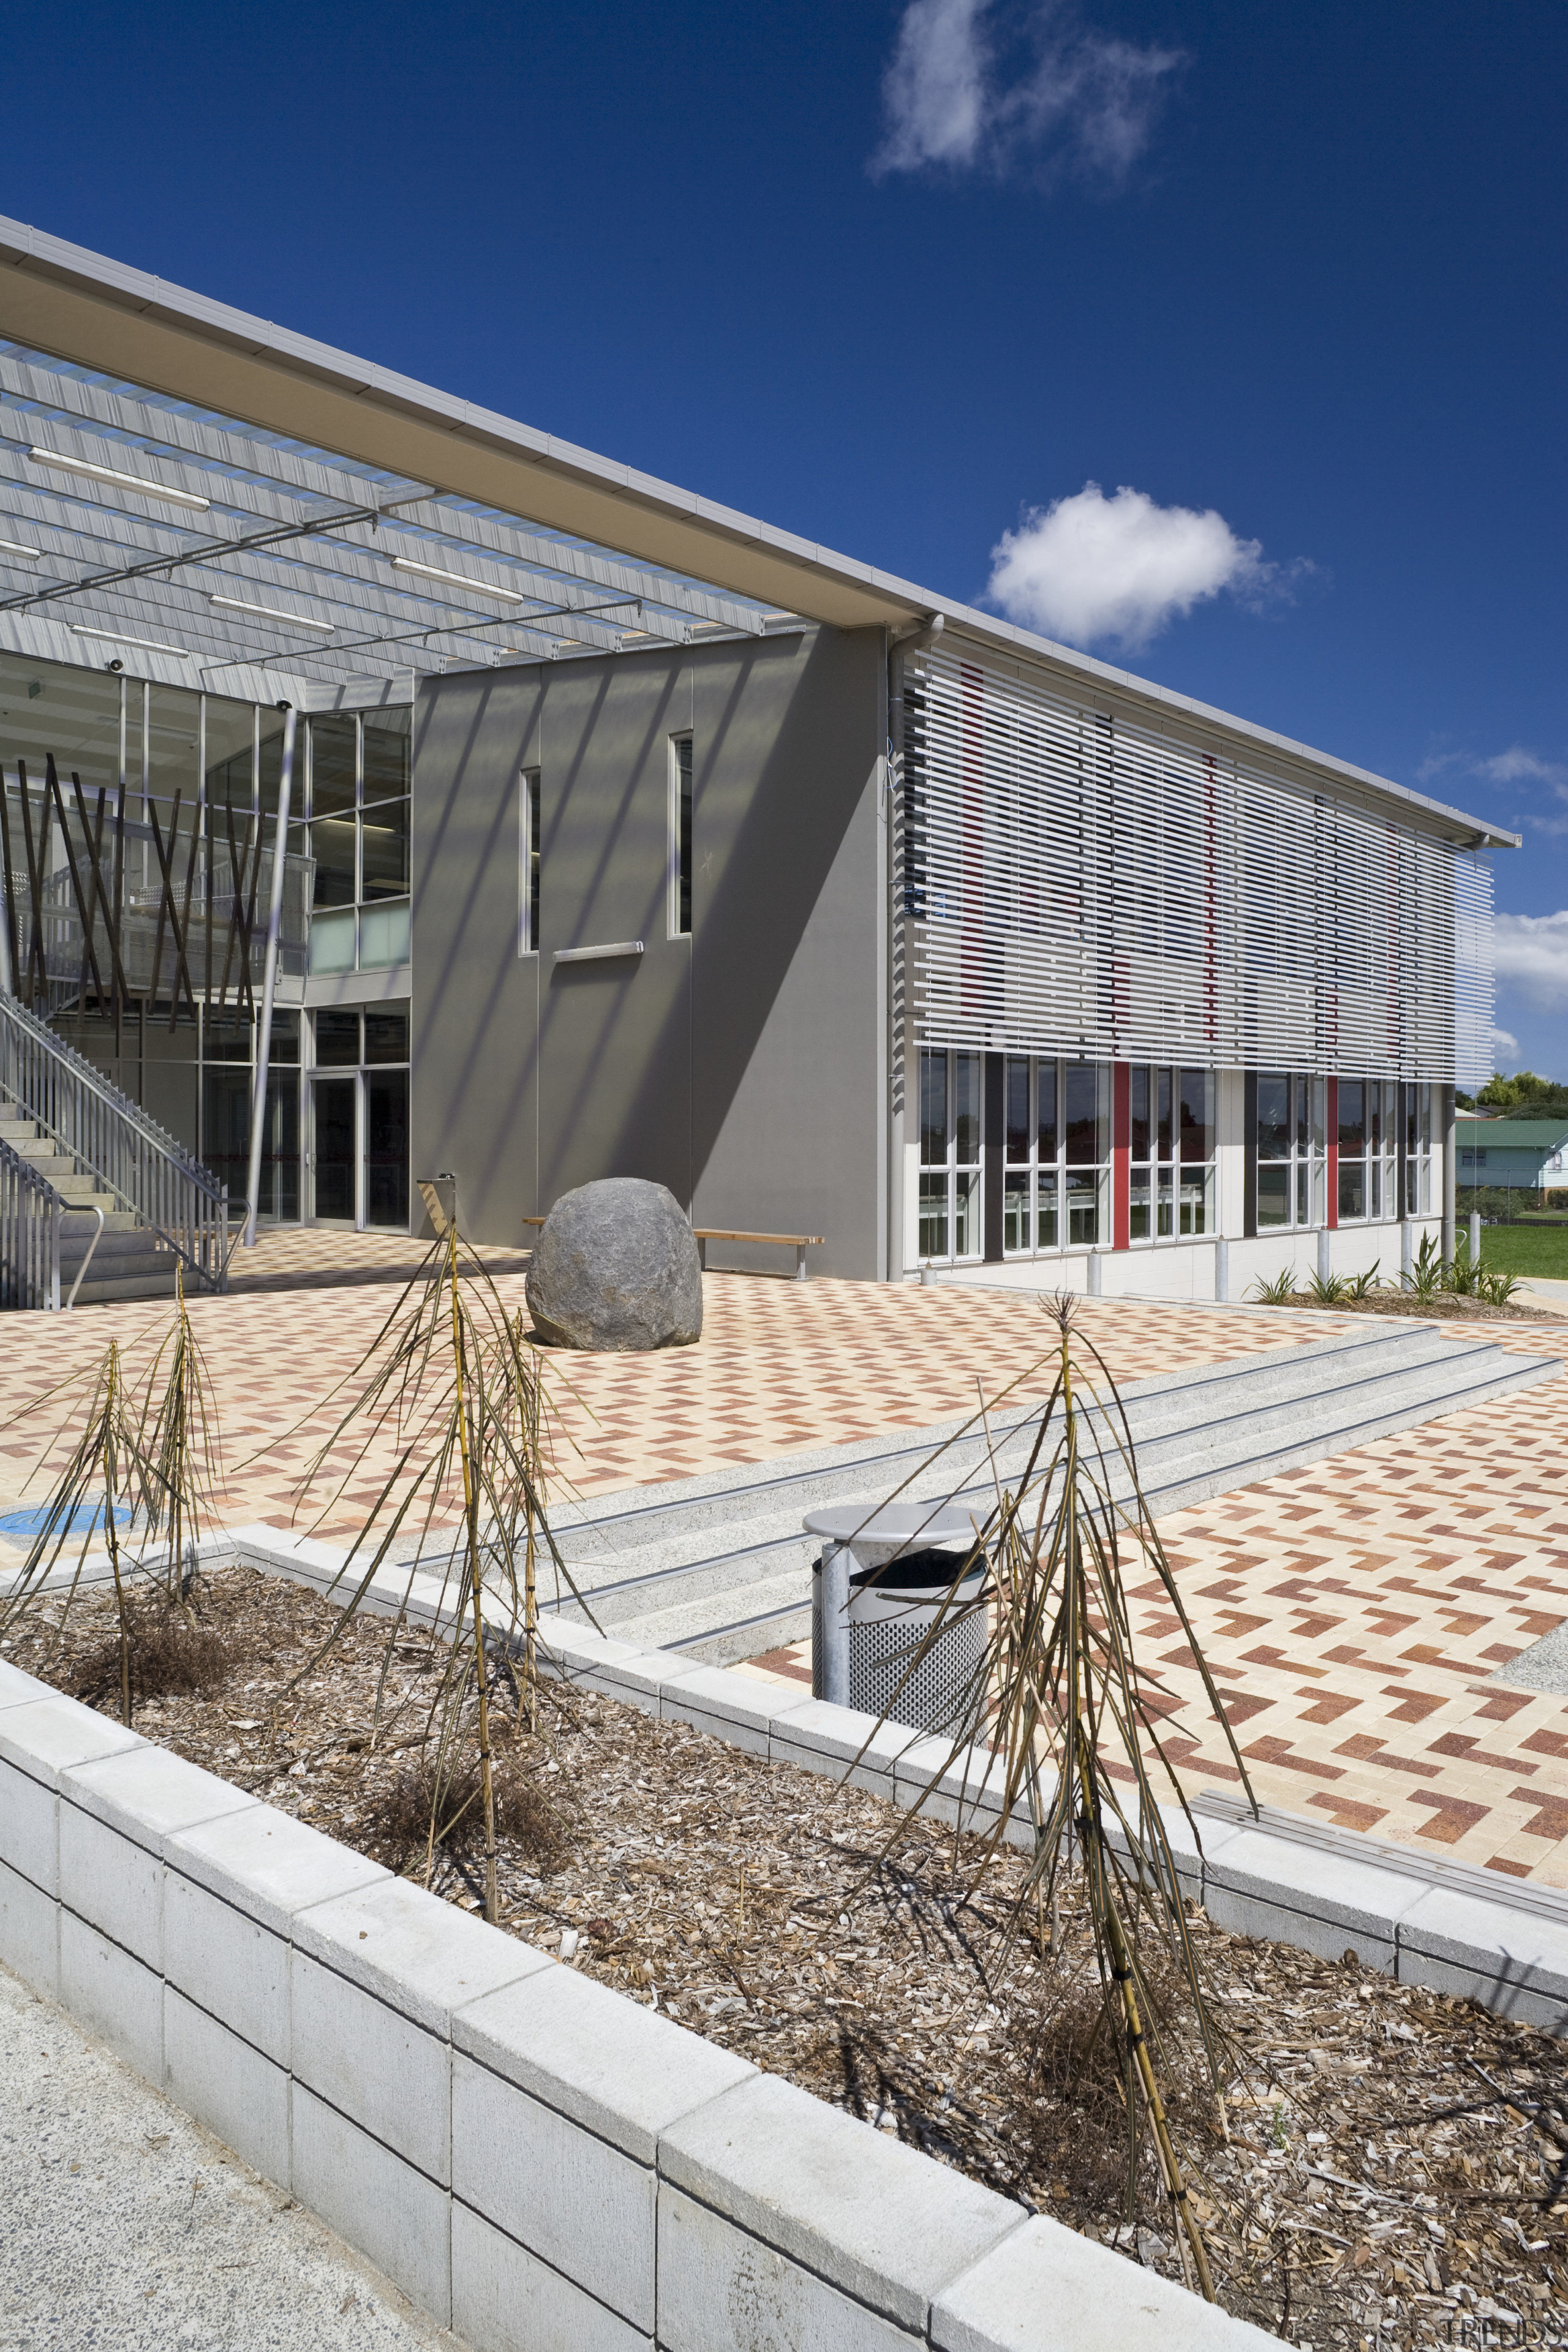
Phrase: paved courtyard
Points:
(1355, 1614)
(1356, 1611)
(780, 1366)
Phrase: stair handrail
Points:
(30, 1211)
(113, 1138)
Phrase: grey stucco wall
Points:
(743, 1065)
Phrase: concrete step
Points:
(106, 1292)
(708, 1564)
(771, 1612)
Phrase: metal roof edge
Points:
(860, 587)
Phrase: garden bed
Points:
(1446, 1307)
(1393, 2153)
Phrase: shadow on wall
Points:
(637, 1066)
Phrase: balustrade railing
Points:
(30, 1211)
(114, 1139)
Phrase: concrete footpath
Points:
(125, 2225)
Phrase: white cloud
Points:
(1505, 1044)
(934, 88)
(1532, 954)
(1518, 765)
(1094, 570)
(1034, 90)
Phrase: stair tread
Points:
(656, 1582)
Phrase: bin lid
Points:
(871, 1522)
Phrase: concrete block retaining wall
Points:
(541, 2164)
(539, 2161)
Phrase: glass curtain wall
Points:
(159, 767)
(1056, 1154)
(1172, 1182)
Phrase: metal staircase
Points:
(114, 1198)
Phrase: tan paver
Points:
(1353, 1614)
(780, 1366)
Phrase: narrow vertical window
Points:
(679, 836)
(527, 864)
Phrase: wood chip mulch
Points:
(1398, 2167)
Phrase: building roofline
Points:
(82, 306)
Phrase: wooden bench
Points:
(799, 1242)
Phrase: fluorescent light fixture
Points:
(458, 579)
(272, 612)
(15, 547)
(118, 638)
(121, 482)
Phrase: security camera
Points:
(114, 664)
(285, 706)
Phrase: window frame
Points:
(682, 832)
(1305, 1163)
(530, 860)
(1179, 1200)
(1416, 1113)
(1036, 1184)
(1377, 1161)
(951, 1188)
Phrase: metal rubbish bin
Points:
(876, 1592)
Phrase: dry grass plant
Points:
(459, 1390)
(136, 1479)
(1071, 1720)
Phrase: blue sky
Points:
(903, 278)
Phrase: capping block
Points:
(740, 1709)
(820, 1737)
(1046, 2289)
(602, 2060)
(40, 1740)
(269, 1866)
(114, 1818)
(1301, 1895)
(17, 1689)
(875, 2219)
(1511, 1960)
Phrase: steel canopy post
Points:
(269, 979)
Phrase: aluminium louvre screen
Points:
(1076, 883)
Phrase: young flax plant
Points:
(1059, 1698)
(454, 1387)
(141, 1468)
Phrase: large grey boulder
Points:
(616, 1269)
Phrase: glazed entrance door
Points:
(334, 1160)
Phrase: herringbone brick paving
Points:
(1354, 1612)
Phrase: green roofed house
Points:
(1524, 1154)
(392, 789)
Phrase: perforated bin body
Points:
(891, 1610)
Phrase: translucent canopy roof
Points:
(146, 526)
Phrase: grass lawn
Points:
(1538, 1250)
